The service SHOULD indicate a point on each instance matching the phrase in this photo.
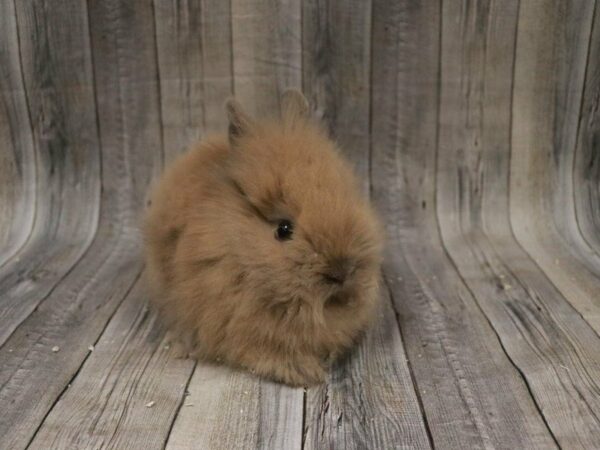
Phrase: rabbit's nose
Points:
(338, 271)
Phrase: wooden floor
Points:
(475, 127)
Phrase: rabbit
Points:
(261, 251)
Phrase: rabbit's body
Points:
(261, 250)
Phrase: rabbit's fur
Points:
(224, 283)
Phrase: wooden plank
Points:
(217, 55)
(336, 73)
(65, 139)
(17, 157)
(128, 93)
(227, 409)
(550, 344)
(368, 401)
(194, 57)
(32, 376)
(545, 338)
(585, 171)
(266, 40)
(76, 312)
(546, 120)
(454, 354)
(126, 393)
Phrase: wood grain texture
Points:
(544, 135)
(126, 393)
(227, 409)
(545, 338)
(17, 157)
(60, 105)
(128, 97)
(586, 165)
(32, 375)
(194, 56)
(266, 44)
(454, 354)
(336, 62)
(73, 316)
(368, 400)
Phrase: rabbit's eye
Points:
(284, 231)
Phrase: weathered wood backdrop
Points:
(475, 127)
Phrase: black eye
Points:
(284, 231)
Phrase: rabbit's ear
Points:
(294, 106)
(240, 123)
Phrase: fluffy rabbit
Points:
(261, 250)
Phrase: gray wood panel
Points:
(194, 54)
(550, 344)
(336, 61)
(267, 46)
(473, 126)
(585, 173)
(368, 400)
(128, 101)
(227, 409)
(17, 157)
(544, 133)
(454, 354)
(60, 105)
(76, 312)
(128, 390)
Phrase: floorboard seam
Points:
(304, 429)
(159, 90)
(438, 225)
(59, 397)
(512, 362)
(55, 286)
(409, 364)
(179, 406)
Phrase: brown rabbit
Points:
(261, 250)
